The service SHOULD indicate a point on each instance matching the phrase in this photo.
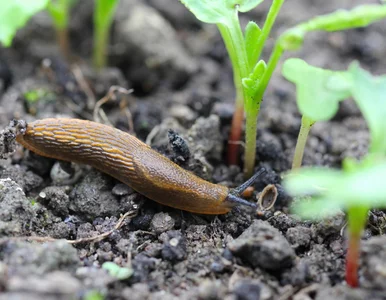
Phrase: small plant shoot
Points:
(59, 11)
(15, 15)
(357, 188)
(251, 74)
(319, 92)
(103, 17)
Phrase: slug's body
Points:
(129, 160)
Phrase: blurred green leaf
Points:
(117, 271)
(360, 16)
(369, 93)
(14, 14)
(318, 91)
(362, 186)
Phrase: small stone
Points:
(174, 248)
(162, 222)
(263, 246)
(121, 189)
(299, 236)
(374, 263)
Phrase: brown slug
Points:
(131, 161)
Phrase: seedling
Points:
(355, 189)
(15, 15)
(359, 186)
(252, 75)
(59, 11)
(103, 17)
(319, 92)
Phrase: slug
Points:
(131, 161)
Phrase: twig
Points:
(98, 111)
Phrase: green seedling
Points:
(15, 15)
(60, 11)
(251, 74)
(103, 17)
(244, 51)
(319, 92)
(117, 271)
(358, 187)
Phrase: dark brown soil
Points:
(182, 80)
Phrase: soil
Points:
(182, 104)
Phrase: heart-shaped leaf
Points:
(318, 91)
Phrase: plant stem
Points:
(63, 41)
(301, 142)
(235, 45)
(101, 41)
(103, 17)
(271, 17)
(357, 217)
(250, 141)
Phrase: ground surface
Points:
(182, 80)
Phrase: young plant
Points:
(319, 92)
(252, 75)
(355, 189)
(244, 53)
(359, 186)
(15, 15)
(59, 11)
(103, 17)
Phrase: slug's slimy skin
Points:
(129, 160)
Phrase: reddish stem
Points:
(235, 136)
(352, 259)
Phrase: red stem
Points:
(235, 136)
(352, 259)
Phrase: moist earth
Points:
(181, 105)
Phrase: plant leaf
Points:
(252, 33)
(318, 91)
(316, 208)
(369, 93)
(14, 15)
(251, 83)
(117, 271)
(363, 186)
(218, 11)
(360, 16)
(311, 181)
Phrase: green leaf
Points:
(117, 271)
(218, 11)
(317, 208)
(311, 181)
(360, 16)
(318, 91)
(369, 93)
(252, 82)
(252, 33)
(363, 186)
(14, 15)
(59, 11)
